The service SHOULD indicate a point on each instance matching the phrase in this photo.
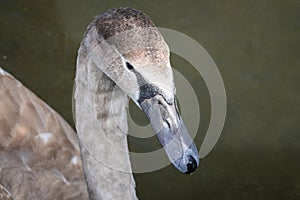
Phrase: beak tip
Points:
(191, 165)
(187, 165)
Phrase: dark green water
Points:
(256, 46)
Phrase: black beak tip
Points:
(191, 165)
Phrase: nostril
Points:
(191, 165)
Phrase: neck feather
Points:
(101, 124)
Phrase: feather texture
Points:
(37, 147)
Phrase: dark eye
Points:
(129, 66)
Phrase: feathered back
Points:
(39, 152)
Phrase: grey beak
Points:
(171, 132)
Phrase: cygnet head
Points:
(127, 47)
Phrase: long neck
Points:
(102, 127)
